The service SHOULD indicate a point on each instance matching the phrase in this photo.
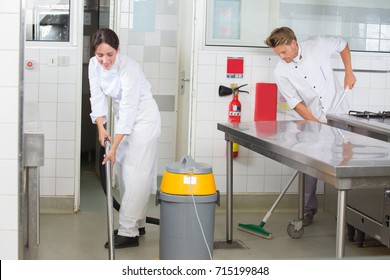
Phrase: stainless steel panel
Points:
(33, 158)
(369, 202)
(368, 226)
(358, 219)
(367, 210)
(33, 149)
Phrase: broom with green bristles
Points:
(259, 229)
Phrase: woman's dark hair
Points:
(104, 35)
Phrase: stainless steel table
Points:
(341, 158)
(368, 211)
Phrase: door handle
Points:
(182, 81)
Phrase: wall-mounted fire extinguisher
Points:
(234, 107)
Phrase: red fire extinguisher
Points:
(234, 107)
(235, 117)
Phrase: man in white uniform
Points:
(305, 78)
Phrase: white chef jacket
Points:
(311, 79)
(125, 83)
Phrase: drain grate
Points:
(236, 244)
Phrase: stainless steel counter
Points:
(378, 128)
(315, 149)
(368, 210)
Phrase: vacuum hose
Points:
(117, 206)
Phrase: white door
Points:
(184, 98)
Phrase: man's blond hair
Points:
(280, 36)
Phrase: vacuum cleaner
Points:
(103, 178)
(110, 215)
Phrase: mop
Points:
(259, 229)
(334, 111)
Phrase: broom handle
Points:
(265, 219)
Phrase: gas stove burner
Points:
(367, 114)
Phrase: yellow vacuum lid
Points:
(188, 178)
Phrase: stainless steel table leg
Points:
(341, 220)
(229, 192)
(301, 198)
(30, 216)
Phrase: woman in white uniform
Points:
(136, 130)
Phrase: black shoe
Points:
(308, 219)
(124, 242)
(141, 231)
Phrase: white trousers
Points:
(136, 168)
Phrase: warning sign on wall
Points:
(235, 67)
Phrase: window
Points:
(365, 25)
(48, 20)
(238, 22)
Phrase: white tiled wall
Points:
(156, 51)
(54, 89)
(9, 123)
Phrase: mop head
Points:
(255, 229)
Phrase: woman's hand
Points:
(110, 157)
(103, 135)
(102, 132)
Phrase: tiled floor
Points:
(81, 236)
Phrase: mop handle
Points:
(110, 215)
(340, 101)
(266, 217)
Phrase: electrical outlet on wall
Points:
(64, 60)
(52, 61)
